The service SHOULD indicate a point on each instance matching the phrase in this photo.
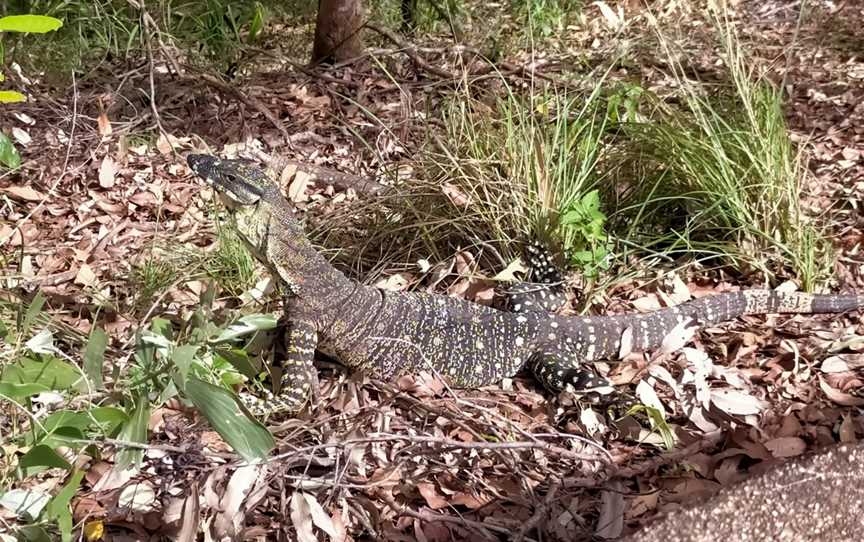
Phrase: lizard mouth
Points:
(231, 185)
(203, 165)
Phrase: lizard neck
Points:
(317, 284)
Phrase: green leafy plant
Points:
(582, 226)
(39, 24)
(33, 365)
(199, 362)
(547, 17)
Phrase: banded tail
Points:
(650, 329)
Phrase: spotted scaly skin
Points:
(388, 334)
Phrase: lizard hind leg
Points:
(294, 356)
(558, 371)
(546, 292)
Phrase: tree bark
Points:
(337, 31)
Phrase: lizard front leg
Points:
(294, 355)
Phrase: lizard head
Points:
(251, 196)
(241, 181)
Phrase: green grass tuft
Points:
(152, 277)
(721, 177)
(230, 264)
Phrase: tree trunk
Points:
(337, 31)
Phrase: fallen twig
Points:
(540, 513)
(248, 100)
(483, 528)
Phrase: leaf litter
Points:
(415, 459)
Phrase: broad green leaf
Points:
(162, 343)
(58, 508)
(9, 157)
(94, 357)
(239, 359)
(134, 430)
(247, 325)
(248, 438)
(25, 503)
(261, 322)
(38, 24)
(43, 456)
(182, 357)
(33, 309)
(163, 327)
(68, 425)
(68, 436)
(591, 200)
(48, 371)
(61, 418)
(107, 419)
(11, 97)
(13, 390)
(33, 533)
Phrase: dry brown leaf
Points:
(847, 429)
(301, 518)
(626, 343)
(139, 498)
(648, 303)
(297, 188)
(727, 471)
(163, 144)
(737, 402)
(21, 136)
(229, 521)
(839, 397)
(144, 199)
(456, 196)
(23, 193)
(396, 283)
(104, 125)
(470, 500)
(511, 273)
(678, 336)
(430, 494)
(611, 521)
(320, 517)
(786, 446)
(190, 516)
(648, 397)
(85, 276)
(107, 171)
(680, 291)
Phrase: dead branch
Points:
(539, 513)
(412, 53)
(429, 516)
(709, 441)
(504, 68)
(251, 101)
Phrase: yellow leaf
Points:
(11, 97)
(94, 530)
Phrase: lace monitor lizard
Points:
(392, 333)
